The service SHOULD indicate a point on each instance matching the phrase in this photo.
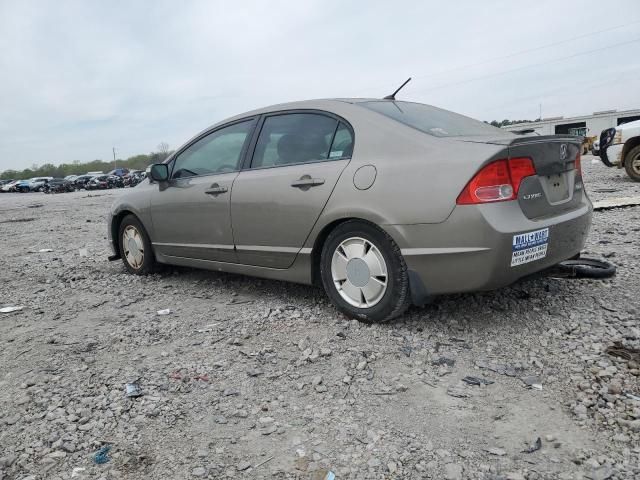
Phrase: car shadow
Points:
(521, 300)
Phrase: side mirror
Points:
(159, 172)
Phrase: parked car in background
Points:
(81, 181)
(37, 183)
(134, 178)
(9, 186)
(99, 182)
(23, 186)
(120, 172)
(384, 203)
(70, 178)
(595, 148)
(620, 147)
(115, 181)
(58, 185)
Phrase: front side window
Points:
(218, 152)
(294, 138)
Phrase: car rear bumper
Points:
(472, 250)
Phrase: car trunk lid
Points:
(557, 186)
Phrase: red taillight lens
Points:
(578, 165)
(497, 182)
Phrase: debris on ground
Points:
(477, 381)
(165, 311)
(537, 445)
(133, 390)
(11, 309)
(102, 455)
(533, 382)
(622, 351)
(449, 362)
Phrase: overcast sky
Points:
(79, 77)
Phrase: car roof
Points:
(332, 105)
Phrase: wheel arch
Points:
(116, 221)
(629, 145)
(321, 238)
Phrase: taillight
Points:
(497, 182)
(578, 165)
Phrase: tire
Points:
(632, 164)
(376, 253)
(141, 262)
(586, 268)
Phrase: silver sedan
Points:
(384, 203)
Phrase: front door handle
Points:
(306, 181)
(216, 189)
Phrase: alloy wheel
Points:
(359, 272)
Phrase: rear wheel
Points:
(364, 273)
(632, 163)
(135, 247)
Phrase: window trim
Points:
(248, 160)
(171, 161)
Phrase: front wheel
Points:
(632, 163)
(364, 273)
(135, 247)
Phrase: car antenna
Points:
(393, 95)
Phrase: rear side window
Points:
(432, 120)
(293, 138)
(342, 146)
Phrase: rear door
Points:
(191, 217)
(296, 162)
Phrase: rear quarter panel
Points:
(418, 179)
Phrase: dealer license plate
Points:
(530, 246)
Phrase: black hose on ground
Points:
(584, 268)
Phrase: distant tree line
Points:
(506, 122)
(137, 162)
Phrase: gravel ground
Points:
(248, 378)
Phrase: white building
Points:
(586, 125)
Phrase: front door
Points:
(297, 160)
(190, 214)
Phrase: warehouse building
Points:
(586, 125)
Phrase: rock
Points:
(514, 476)
(7, 460)
(615, 388)
(373, 463)
(242, 466)
(453, 471)
(317, 380)
(602, 473)
(199, 472)
(580, 410)
(264, 421)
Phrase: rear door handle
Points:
(306, 181)
(216, 189)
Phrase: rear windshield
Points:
(432, 120)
